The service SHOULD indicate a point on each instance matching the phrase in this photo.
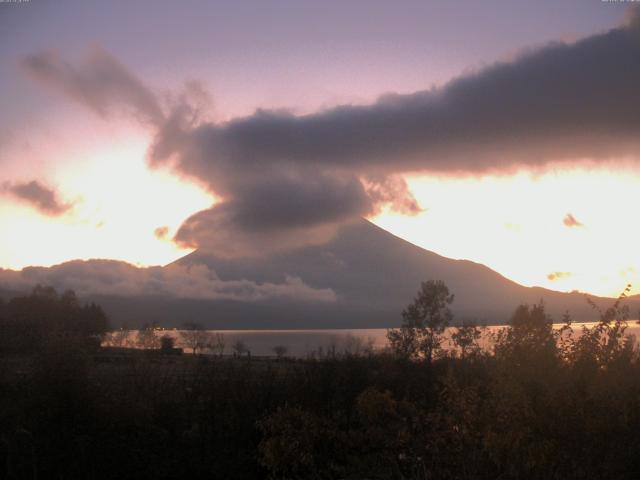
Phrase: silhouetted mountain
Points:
(373, 273)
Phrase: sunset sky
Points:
(503, 132)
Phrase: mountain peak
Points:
(375, 274)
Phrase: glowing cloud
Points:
(558, 275)
(570, 221)
(161, 232)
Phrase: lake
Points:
(301, 343)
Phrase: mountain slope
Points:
(375, 274)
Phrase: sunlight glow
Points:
(518, 224)
(118, 204)
(514, 225)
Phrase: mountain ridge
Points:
(373, 274)
(369, 267)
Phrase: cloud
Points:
(215, 231)
(100, 83)
(570, 221)
(161, 232)
(553, 276)
(278, 213)
(110, 277)
(526, 112)
(282, 178)
(392, 191)
(564, 102)
(39, 196)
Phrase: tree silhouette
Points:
(195, 337)
(280, 350)
(239, 348)
(46, 319)
(465, 337)
(420, 335)
(147, 337)
(218, 344)
(167, 343)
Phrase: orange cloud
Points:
(558, 275)
(570, 221)
(161, 232)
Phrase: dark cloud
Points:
(564, 102)
(553, 276)
(100, 83)
(110, 277)
(301, 200)
(215, 230)
(40, 196)
(570, 221)
(280, 212)
(282, 176)
(561, 102)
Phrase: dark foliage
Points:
(45, 320)
(538, 404)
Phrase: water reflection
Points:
(302, 343)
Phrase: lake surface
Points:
(301, 343)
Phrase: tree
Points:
(605, 342)
(195, 337)
(298, 443)
(147, 337)
(239, 348)
(424, 321)
(280, 351)
(357, 346)
(45, 319)
(466, 337)
(118, 338)
(218, 344)
(529, 340)
(167, 344)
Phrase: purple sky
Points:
(293, 54)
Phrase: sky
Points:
(501, 132)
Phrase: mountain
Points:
(375, 275)
(363, 278)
